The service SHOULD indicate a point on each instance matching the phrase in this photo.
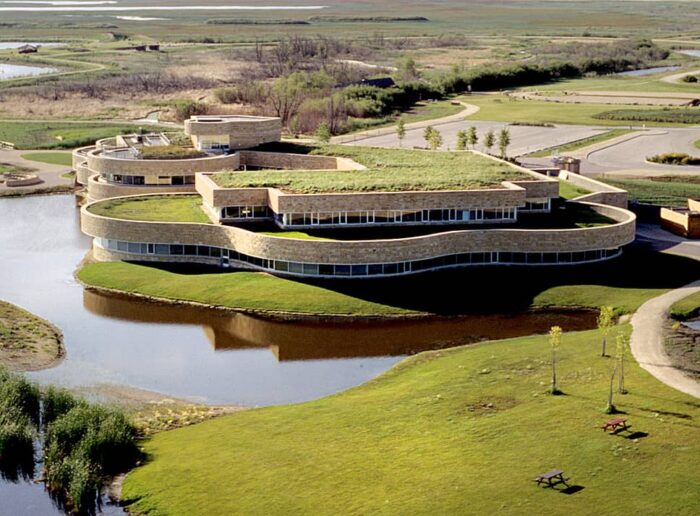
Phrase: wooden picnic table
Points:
(552, 478)
(616, 424)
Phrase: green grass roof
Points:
(388, 170)
(156, 208)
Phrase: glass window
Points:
(281, 265)
(176, 249)
(359, 270)
(375, 269)
(296, 267)
(342, 270)
(191, 250)
(134, 248)
(325, 270)
(311, 268)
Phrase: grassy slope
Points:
(424, 439)
(178, 208)
(697, 144)
(624, 284)
(248, 290)
(502, 109)
(671, 193)
(387, 170)
(570, 191)
(686, 308)
(647, 84)
(52, 158)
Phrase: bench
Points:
(552, 478)
(615, 425)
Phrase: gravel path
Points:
(648, 340)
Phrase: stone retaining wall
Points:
(601, 193)
(99, 162)
(243, 132)
(368, 251)
(98, 190)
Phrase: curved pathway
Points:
(647, 341)
(469, 109)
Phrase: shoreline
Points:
(33, 361)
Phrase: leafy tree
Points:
(503, 141)
(472, 137)
(461, 140)
(489, 140)
(554, 342)
(435, 140)
(288, 92)
(400, 131)
(323, 132)
(428, 134)
(407, 69)
(623, 343)
(605, 323)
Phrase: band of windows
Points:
(226, 256)
(122, 179)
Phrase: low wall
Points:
(683, 223)
(368, 251)
(98, 190)
(23, 180)
(601, 193)
(287, 161)
(243, 132)
(99, 162)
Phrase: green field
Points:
(623, 283)
(387, 170)
(645, 84)
(58, 135)
(499, 108)
(580, 144)
(697, 144)
(686, 308)
(52, 158)
(160, 208)
(666, 190)
(459, 431)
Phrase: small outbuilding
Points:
(28, 49)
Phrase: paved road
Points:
(524, 139)
(49, 174)
(647, 341)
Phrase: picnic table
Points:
(615, 424)
(552, 478)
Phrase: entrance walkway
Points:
(648, 340)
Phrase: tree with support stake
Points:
(605, 323)
(623, 343)
(472, 137)
(400, 131)
(489, 141)
(554, 342)
(461, 140)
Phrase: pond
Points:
(693, 53)
(197, 354)
(11, 71)
(648, 71)
(5, 45)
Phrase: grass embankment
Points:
(52, 158)
(569, 190)
(27, 342)
(581, 144)
(664, 116)
(419, 112)
(159, 208)
(664, 190)
(58, 135)
(300, 235)
(617, 83)
(447, 432)
(170, 152)
(624, 283)
(686, 308)
(388, 170)
(697, 144)
(500, 108)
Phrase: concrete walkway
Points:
(647, 341)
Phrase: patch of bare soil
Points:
(683, 347)
(27, 342)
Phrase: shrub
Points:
(690, 78)
(57, 402)
(184, 109)
(19, 397)
(666, 115)
(16, 440)
(674, 158)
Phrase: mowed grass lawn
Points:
(59, 135)
(460, 431)
(52, 158)
(156, 208)
(664, 190)
(624, 283)
(686, 308)
(499, 108)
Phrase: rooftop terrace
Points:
(387, 170)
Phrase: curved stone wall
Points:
(99, 162)
(99, 189)
(268, 247)
(243, 131)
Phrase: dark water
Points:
(198, 354)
